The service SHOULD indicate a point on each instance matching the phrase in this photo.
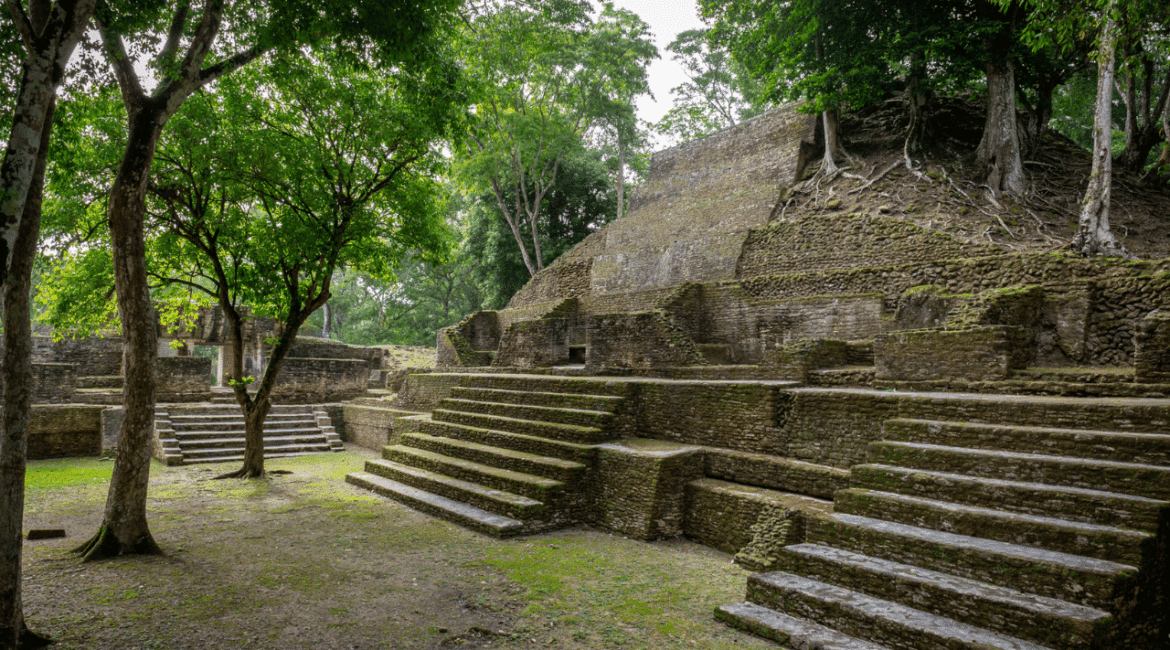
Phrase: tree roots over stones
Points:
(243, 473)
(106, 545)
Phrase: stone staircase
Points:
(504, 455)
(215, 433)
(967, 533)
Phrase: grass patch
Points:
(66, 472)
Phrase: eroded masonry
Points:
(918, 442)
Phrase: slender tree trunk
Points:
(999, 150)
(621, 178)
(124, 529)
(834, 150)
(917, 99)
(1094, 236)
(1141, 122)
(327, 328)
(18, 377)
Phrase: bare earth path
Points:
(305, 561)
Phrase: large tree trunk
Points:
(18, 378)
(999, 150)
(917, 99)
(1094, 236)
(124, 529)
(51, 32)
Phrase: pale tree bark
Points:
(18, 377)
(918, 99)
(124, 529)
(834, 150)
(999, 150)
(1094, 236)
(621, 176)
(50, 31)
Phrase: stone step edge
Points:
(1068, 489)
(478, 468)
(615, 399)
(1134, 536)
(965, 587)
(498, 451)
(1078, 563)
(1031, 429)
(503, 496)
(1013, 455)
(537, 407)
(788, 630)
(433, 504)
(570, 428)
(877, 612)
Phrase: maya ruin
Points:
(918, 439)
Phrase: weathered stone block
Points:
(1152, 349)
(640, 340)
(535, 344)
(641, 484)
(64, 430)
(304, 381)
(53, 383)
(183, 378)
(982, 354)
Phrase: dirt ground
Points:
(304, 560)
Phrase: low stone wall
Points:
(307, 347)
(424, 391)
(306, 381)
(535, 344)
(616, 342)
(53, 383)
(93, 356)
(64, 431)
(183, 379)
(641, 487)
(1152, 349)
(979, 354)
(370, 426)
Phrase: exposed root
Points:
(105, 545)
(876, 178)
(30, 640)
(243, 473)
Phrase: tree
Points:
(48, 32)
(334, 168)
(1144, 35)
(718, 94)
(393, 30)
(529, 112)
(618, 51)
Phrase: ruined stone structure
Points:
(920, 442)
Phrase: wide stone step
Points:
(565, 432)
(788, 631)
(881, 621)
(1071, 503)
(606, 403)
(501, 502)
(238, 458)
(1144, 448)
(774, 472)
(279, 447)
(548, 384)
(578, 417)
(514, 441)
(1076, 538)
(187, 434)
(1082, 580)
(540, 488)
(1046, 621)
(519, 461)
(463, 514)
(1151, 481)
(721, 514)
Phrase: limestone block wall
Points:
(318, 348)
(535, 344)
(64, 431)
(641, 488)
(305, 381)
(618, 342)
(1152, 355)
(978, 354)
(53, 383)
(183, 378)
(90, 357)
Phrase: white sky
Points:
(666, 19)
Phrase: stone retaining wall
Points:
(65, 431)
(183, 379)
(306, 381)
